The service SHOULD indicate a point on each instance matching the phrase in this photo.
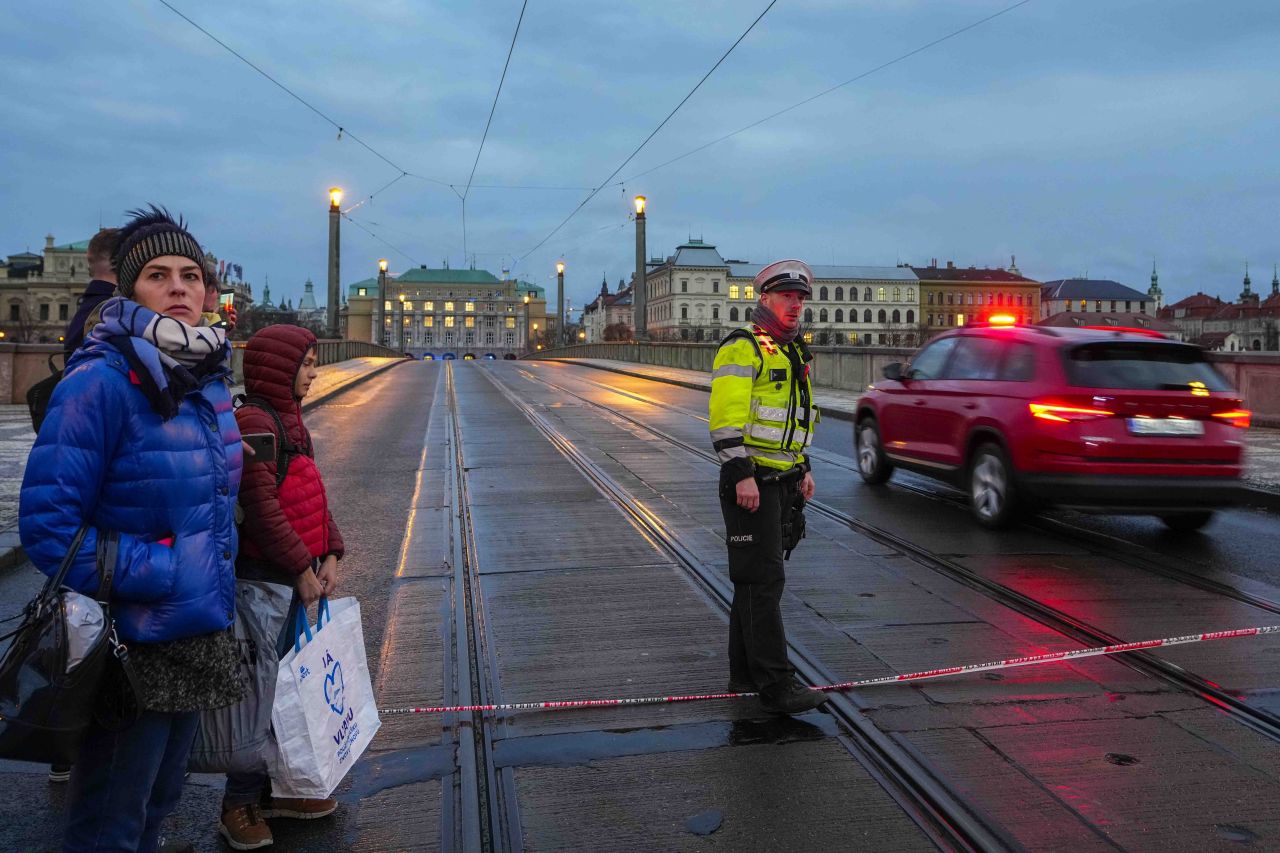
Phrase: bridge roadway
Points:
(523, 531)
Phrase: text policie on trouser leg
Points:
(757, 543)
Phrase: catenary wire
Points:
(661, 124)
(393, 246)
(496, 94)
(828, 91)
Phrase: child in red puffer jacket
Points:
(287, 538)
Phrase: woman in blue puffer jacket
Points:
(140, 442)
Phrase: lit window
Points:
(363, 291)
(386, 306)
(911, 294)
(511, 322)
(808, 337)
(428, 306)
(405, 322)
(733, 291)
(751, 291)
(897, 294)
(959, 319)
(408, 306)
(448, 306)
(470, 322)
(470, 306)
(448, 321)
(428, 322)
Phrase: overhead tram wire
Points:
(494, 107)
(390, 245)
(922, 48)
(662, 124)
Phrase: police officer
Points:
(762, 419)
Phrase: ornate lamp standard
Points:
(528, 335)
(560, 303)
(639, 290)
(335, 221)
(380, 327)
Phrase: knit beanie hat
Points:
(148, 235)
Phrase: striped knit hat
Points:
(149, 235)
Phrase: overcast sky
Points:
(1086, 136)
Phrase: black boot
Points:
(741, 685)
(791, 697)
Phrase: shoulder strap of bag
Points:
(55, 581)
(108, 552)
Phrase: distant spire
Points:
(1246, 295)
(1154, 290)
(266, 292)
(1013, 265)
(1275, 280)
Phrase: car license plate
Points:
(1165, 426)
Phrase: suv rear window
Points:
(1141, 366)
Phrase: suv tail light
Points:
(1065, 413)
(1236, 417)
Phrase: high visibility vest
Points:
(762, 400)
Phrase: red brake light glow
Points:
(1236, 417)
(1065, 414)
(1002, 320)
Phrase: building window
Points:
(469, 306)
(911, 294)
(959, 319)
(684, 312)
(822, 315)
(733, 313)
(853, 337)
(427, 338)
(746, 315)
(1127, 304)
(1097, 305)
(930, 297)
(866, 294)
(951, 299)
(509, 339)
(408, 306)
(428, 322)
(15, 312)
(822, 294)
(471, 338)
(808, 315)
(448, 306)
(488, 338)
(1084, 305)
(715, 312)
(448, 338)
(733, 291)
(405, 322)
(44, 310)
(511, 322)
(751, 291)
(684, 285)
(808, 337)
(470, 322)
(897, 294)
(839, 294)
(911, 315)
(62, 311)
(362, 291)
(715, 285)
(386, 306)
(839, 315)
(897, 317)
(866, 316)
(449, 321)
(882, 317)
(880, 339)
(881, 294)
(428, 306)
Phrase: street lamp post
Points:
(639, 290)
(335, 220)
(399, 324)
(528, 333)
(559, 303)
(380, 326)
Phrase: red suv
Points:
(1121, 420)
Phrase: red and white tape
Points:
(566, 704)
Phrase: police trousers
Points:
(757, 641)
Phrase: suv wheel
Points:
(1185, 522)
(873, 465)
(992, 496)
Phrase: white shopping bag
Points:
(324, 714)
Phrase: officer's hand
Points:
(806, 486)
(748, 494)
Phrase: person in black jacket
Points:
(100, 288)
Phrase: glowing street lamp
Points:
(639, 287)
(380, 324)
(335, 220)
(560, 302)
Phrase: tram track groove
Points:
(489, 807)
(945, 816)
(1150, 665)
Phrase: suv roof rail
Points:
(1133, 330)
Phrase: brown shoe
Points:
(298, 809)
(244, 828)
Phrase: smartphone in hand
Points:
(263, 445)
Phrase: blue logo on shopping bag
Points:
(333, 686)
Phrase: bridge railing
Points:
(23, 365)
(1255, 375)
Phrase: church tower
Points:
(1154, 290)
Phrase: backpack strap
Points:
(747, 335)
(285, 449)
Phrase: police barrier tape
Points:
(565, 704)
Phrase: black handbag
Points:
(39, 394)
(45, 711)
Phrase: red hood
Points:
(272, 359)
